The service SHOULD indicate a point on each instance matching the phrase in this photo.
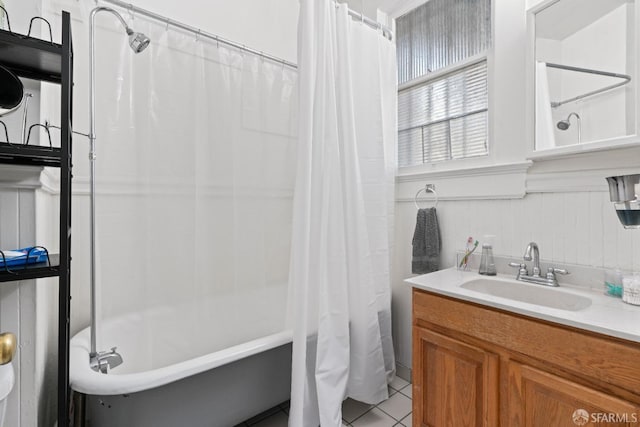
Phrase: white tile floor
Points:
(393, 412)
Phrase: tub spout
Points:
(102, 361)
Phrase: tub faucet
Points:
(102, 361)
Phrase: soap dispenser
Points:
(487, 264)
(623, 192)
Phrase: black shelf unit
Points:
(42, 60)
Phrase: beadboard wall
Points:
(29, 308)
(569, 227)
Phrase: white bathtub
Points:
(161, 383)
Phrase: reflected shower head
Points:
(566, 123)
(138, 41)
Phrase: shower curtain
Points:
(196, 148)
(343, 211)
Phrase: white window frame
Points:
(483, 56)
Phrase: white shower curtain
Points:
(196, 159)
(343, 210)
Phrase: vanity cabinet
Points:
(479, 366)
(459, 382)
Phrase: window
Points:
(442, 72)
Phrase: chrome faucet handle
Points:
(103, 361)
(522, 268)
(551, 272)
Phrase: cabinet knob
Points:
(7, 347)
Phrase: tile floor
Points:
(393, 412)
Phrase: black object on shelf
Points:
(37, 59)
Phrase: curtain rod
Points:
(199, 33)
(626, 79)
(170, 22)
(386, 31)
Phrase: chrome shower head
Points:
(138, 41)
(564, 124)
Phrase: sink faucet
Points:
(533, 246)
(102, 361)
(532, 253)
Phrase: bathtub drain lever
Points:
(102, 361)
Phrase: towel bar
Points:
(427, 188)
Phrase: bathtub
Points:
(162, 384)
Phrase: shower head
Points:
(566, 123)
(137, 41)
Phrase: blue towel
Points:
(426, 242)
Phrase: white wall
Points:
(21, 12)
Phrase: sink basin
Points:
(529, 293)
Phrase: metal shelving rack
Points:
(37, 59)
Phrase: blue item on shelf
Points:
(19, 256)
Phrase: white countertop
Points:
(606, 315)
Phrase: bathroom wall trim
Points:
(20, 177)
(573, 181)
(502, 181)
(491, 170)
(124, 187)
(50, 181)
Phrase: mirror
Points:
(11, 91)
(585, 74)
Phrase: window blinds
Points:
(444, 119)
(447, 117)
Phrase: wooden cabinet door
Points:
(540, 399)
(454, 384)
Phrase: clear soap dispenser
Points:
(487, 264)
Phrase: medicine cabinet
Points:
(583, 68)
